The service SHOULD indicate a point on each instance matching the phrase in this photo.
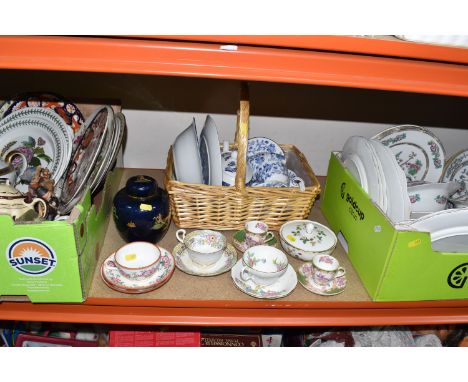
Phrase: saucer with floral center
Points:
(304, 276)
(115, 280)
(281, 288)
(186, 265)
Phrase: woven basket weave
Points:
(227, 208)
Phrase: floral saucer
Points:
(241, 245)
(281, 288)
(304, 275)
(114, 279)
(186, 265)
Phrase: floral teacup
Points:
(263, 265)
(256, 233)
(205, 247)
(325, 269)
(138, 260)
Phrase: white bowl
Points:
(430, 197)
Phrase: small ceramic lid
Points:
(308, 235)
(141, 186)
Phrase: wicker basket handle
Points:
(242, 136)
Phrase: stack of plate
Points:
(52, 133)
(94, 156)
(375, 168)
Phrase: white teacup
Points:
(205, 247)
(256, 233)
(430, 197)
(138, 260)
(263, 265)
(326, 268)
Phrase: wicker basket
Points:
(227, 208)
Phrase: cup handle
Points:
(182, 232)
(44, 205)
(340, 272)
(269, 236)
(243, 278)
(298, 182)
(24, 163)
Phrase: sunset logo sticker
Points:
(31, 257)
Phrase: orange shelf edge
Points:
(339, 314)
(376, 45)
(175, 58)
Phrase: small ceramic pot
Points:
(303, 239)
(205, 247)
(263, 265)
(430, 197)
(256, 233)
(325, 269)
(141, 210)
(138, 260)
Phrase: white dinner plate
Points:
(210, 154)
(398, 205)
(457, 169)
(187, 162)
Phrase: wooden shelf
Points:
(214, 301)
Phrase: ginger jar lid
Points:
(141, 186)
(308, 235)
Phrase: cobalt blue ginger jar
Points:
(141, 210)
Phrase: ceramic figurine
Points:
(141, 210)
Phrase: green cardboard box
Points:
(55, 261)
(393, 265)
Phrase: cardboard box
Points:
(393, 265)
(54, 261)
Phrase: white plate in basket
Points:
(210, 154)
(187, 162)
(418, 152)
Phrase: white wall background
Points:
(152, 132)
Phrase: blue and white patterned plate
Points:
(263, 145)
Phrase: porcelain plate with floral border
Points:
(304, 276)
(186, 265)
(418, 152)
(114, 279)
(281, 288)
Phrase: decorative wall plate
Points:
(68, 111)
(40, 142)
(110, 157)
(84, 158)
(418, 152)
